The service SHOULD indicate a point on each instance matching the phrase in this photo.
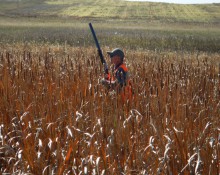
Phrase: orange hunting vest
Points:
(126, 91)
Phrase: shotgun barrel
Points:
(99, 49)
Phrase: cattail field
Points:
(57, 118)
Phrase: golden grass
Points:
(55, 117)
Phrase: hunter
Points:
(119, 81)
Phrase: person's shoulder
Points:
(123, 67)
(120, 69)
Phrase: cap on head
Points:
(117, 52)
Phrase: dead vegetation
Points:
(55, 117)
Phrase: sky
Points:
(184, 1)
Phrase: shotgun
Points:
(99, 49)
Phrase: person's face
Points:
(115, 60)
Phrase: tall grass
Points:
(56, 118)
(146, 37)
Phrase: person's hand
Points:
(107, 76)
(104, 82)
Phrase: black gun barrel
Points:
(98, 47)
(94, 36)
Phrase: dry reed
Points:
(56, 118)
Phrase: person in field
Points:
(119, 81)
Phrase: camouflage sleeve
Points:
(121, 77)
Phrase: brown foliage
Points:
(55, 117)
